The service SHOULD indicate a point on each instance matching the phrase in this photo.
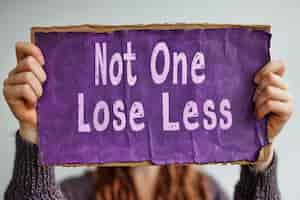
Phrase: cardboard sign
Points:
(158, 94)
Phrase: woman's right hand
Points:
(23, 87)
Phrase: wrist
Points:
(262, 165)
(28, 133)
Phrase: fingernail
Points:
(41, 58)
(255, 94)
(256, 79)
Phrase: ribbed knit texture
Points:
(258, 185)
(31, 180)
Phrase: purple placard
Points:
(168, 96)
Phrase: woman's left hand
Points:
(272, 100)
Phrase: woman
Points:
(31, 180)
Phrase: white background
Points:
(16, 18)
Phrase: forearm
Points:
(254, 184)
(31, 180)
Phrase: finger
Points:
(272, 79)
(277, 67)
(272, 93)
(30, 64)
(26, 78)
(24, 49)
(282, 109)
(17, 92)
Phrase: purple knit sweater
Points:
(31, 180)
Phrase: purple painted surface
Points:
(232, 57)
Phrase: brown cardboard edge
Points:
(166, 26)
(263, 152)
(147, 163)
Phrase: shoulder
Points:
(79, 187)
(215, 189)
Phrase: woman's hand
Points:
(273, 100)
(23, 87)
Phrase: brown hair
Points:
(174, 182)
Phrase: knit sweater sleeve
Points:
(258, 185)
(31, 180)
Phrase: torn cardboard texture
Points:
(71, 74)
